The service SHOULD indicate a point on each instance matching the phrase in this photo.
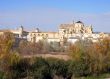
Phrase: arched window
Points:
(38, 34)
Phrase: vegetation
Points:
(29, 48)
(88, 60)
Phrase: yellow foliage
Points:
(96, 55)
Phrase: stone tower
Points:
(79, 27)
(89, 30)
(21, 31)
(37, 30)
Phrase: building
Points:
(19, 33)
(66, 33)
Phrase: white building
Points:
(66, 32)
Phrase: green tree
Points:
(19, 70)
(41, 69)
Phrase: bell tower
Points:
(21, 31)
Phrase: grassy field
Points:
(103, 76)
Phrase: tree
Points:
(95, 55)
(59, 68)
(41, 69)
(6, 44)
(19, 70)
(29, 48)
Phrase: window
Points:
(46, 34)
(34, 34)
(38, 34)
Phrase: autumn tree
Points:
(30, 48)
(95, 55)
(7, 55)
(6, 44)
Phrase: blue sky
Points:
(49, 14)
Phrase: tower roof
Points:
(79, 22)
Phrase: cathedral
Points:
(66, 32)
(69, 32)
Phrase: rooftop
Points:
(79, 22)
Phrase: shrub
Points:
(41, 69)
(93, 58)
(58, 67)
(19, 70)
(1, 75)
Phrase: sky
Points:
(47, 15)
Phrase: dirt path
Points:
(53, 55)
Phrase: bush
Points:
(1, 75)
(19, 70)
(58, 67)
(92, 58)
(41, 69)
(79, 68)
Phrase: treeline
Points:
(31, 48)
(87, 59)
(38, 68)
(92, 58)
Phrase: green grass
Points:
(102, 76)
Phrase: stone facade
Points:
(69, 32)
(66, 32)
(76, 28)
